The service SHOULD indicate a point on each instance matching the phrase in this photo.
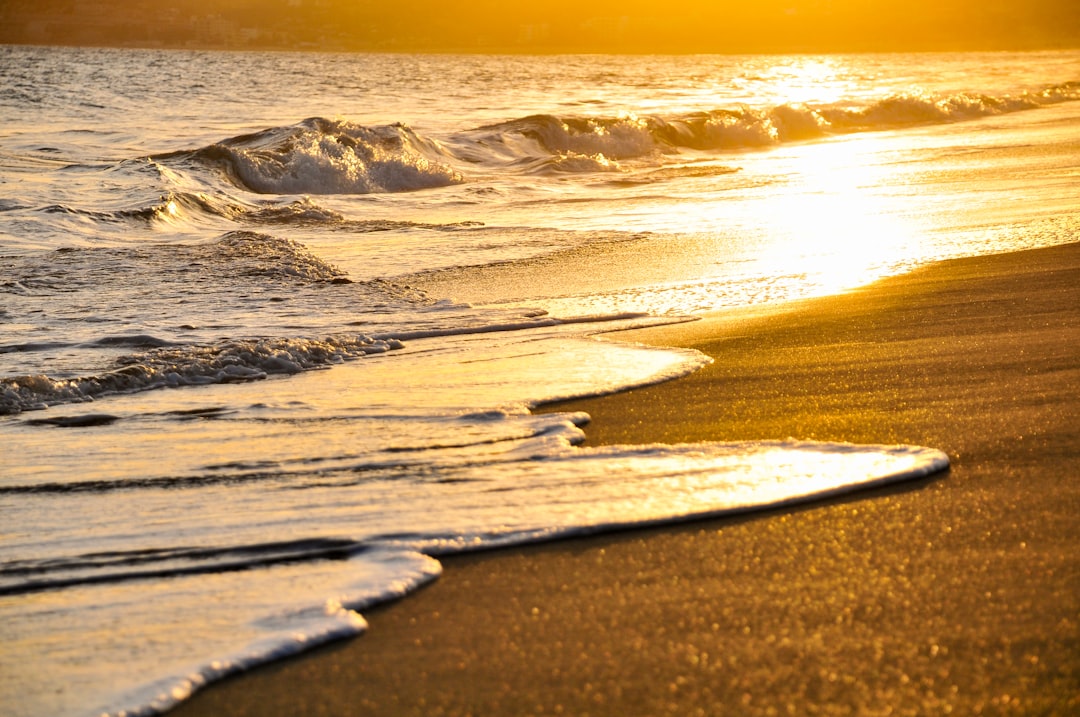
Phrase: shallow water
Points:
(264, 353)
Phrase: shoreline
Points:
(959, 592)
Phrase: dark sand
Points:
(959, 593)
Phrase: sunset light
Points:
(611, 358)
(835, 224)
(772, 26)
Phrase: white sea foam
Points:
(236, 624)
(470, 464)
(333, 157)
(279, 611)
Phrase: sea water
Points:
(271, 324)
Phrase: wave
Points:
(172, 365)
(323, 156)
(226, 362)
(333, 156)
(917, 108)
(259, 255)
(235, 254)
(570, 163)
(600, 143)
(167, 207)
(176, 208)
(174, 286)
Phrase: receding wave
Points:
(323, 156)
(226, 362)
(76, 365)
(21, 577)
(172, 365)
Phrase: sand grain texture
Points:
(959, 593)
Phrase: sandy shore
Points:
(957, 594)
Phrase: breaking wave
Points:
(323, 156)
(599, 143)
(332, 156)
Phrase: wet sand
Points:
(959, 593)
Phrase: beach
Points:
(956, 594)
(303, 340)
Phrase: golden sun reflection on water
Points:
(838, 222)
(797, 80)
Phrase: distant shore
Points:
(379, 49)
(513, 49)
(956, 594)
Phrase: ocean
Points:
(272, 324)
